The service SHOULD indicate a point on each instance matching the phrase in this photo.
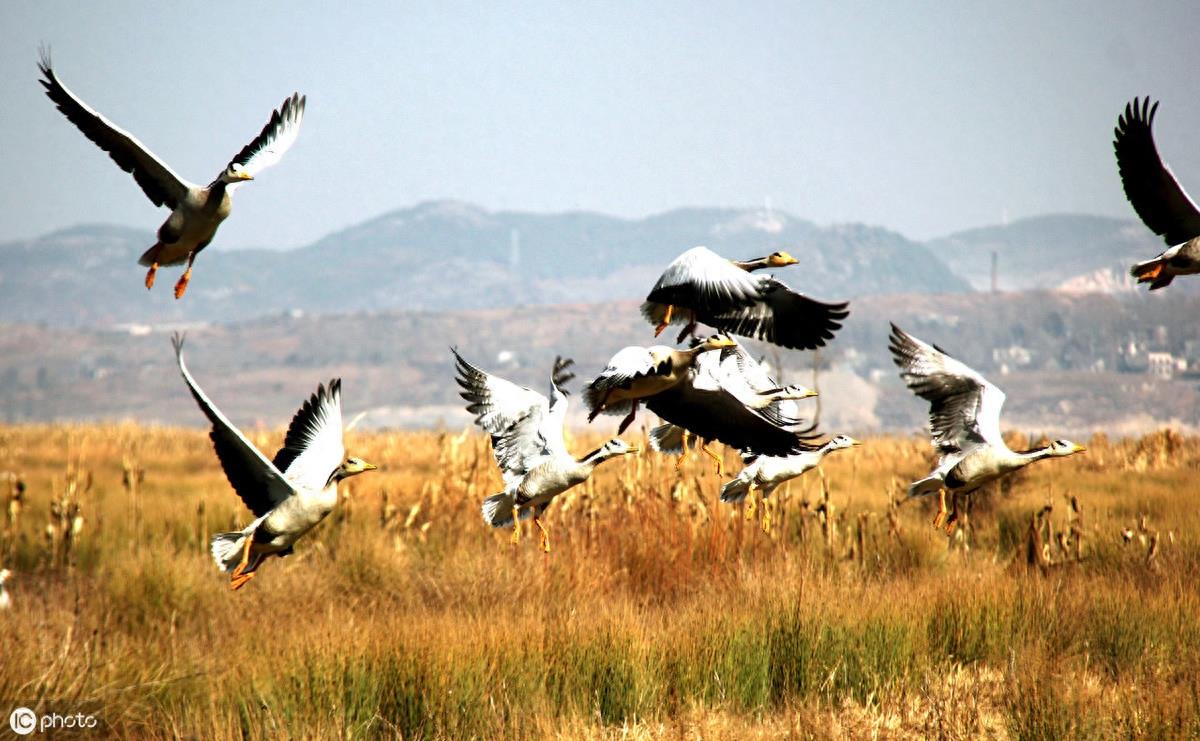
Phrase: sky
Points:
(926, 118)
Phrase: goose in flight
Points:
(527, 441)
(702, 286)
(288, 495)
(765, 473)
(673, 385)
(964, 421)
(196, 210)
(1158, 198)
(749, 380)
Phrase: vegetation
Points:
(660, 611)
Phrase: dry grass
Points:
(660, 612)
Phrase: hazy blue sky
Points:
(922, 117)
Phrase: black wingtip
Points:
(177, 340)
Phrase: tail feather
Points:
(150, 256)
(926, 486)
(497, 510)
(735, 491)
(227, 549)
(667, 438)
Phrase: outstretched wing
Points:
(964, 408)
(1156, 195)
(276, 137)
(626, 367)
(713, 413)
(314, 446)
(523, 426)
(255, 479)
(782, 317)
(160, 184)
(704, 282)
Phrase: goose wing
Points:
(964, 406)
(160, 184)
(782, 317)
(255, 479)
(524, 425)
(314, 446)
(626, 367)
(704, 282)
(709, 411)
(1151, 188)
(275, 139)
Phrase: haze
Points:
(922, 118)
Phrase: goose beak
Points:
(854, 443)
(244, 176)
(1077, 448)
(785, 258)
(633, 450)
(808, 394)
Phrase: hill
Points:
(445, 256)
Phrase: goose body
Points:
(700, 286)
(964, 422)
(1157, 197)
(766, 473)
(527, 441)
(196, 210)
(290, 494)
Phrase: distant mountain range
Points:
(447, 255)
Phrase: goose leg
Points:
(150, 275)
(751, 503)
(545, 534)
(516, 536)
(689, 329)
(666, 322)
(683, 454)
(238, 577)
(181, 286)
(952, 520)
(716, 458)
(629, 419)
(766, 515)
(940, 517)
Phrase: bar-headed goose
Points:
(527, 441)
(1158, 198)
(288, 495)
(196, 210)
(702, 286)
(964, 422)
(735, 370)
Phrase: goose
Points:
(672, 386)
(528, 444)
(1157, 197)
(964, 421)
(288, 495)
(196, 210)
(747, 379)
(765, 473)
(702, 286)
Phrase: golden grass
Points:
(660, 611)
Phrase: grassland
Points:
(659, 613)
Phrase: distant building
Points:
(1164, 365)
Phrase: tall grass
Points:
(659, 612)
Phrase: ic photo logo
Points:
(24, 721)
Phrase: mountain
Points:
(446, 255)
(1059, 251)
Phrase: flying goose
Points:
(527, 441)
(702, 286)
(747, 379)
(196, 210)
(766, 473)
(964, 421)
(1158, 198)
(288, 495)
(675, 387)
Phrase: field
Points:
(659, 612)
